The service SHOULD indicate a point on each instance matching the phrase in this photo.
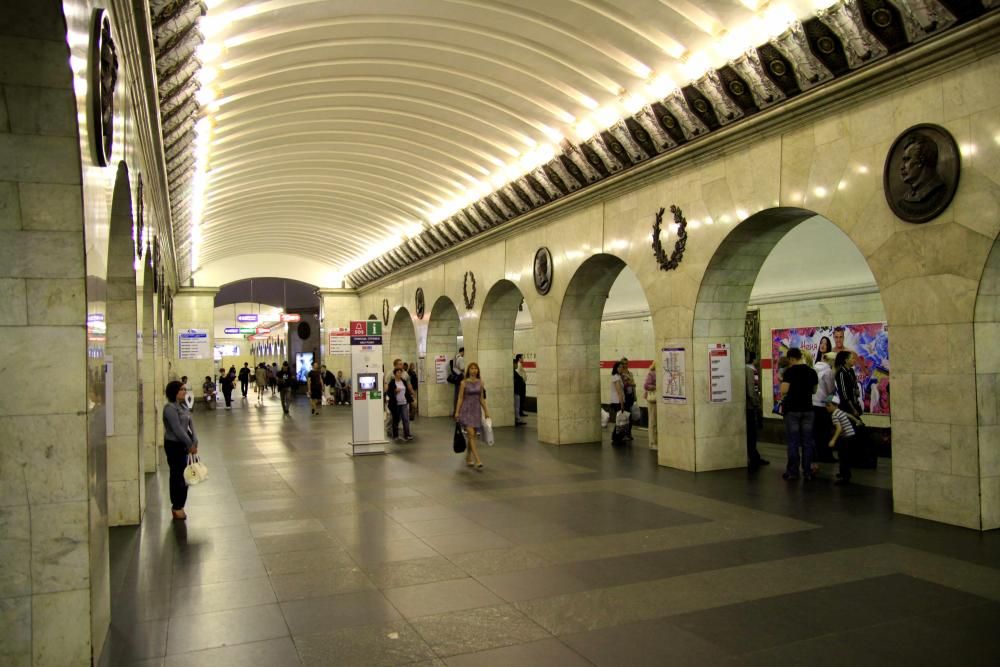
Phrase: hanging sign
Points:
(193, 344)
(673, 366)
(291, 317)
(720, 372)
(232, 331)
(263, 330)
(247, 317)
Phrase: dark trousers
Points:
(244, 385)
(844, 446)
(399, 412)
(177, 460)
(228, 395)
(822, 432)
(799, 433)
(286, 396)
(753, 456)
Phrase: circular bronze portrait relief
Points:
(421, 306)
(921, 173)
(543, 270)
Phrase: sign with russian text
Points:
(193, 344)
(247, 317)
(720, 373)
(232, 331)
(673, 366)
(291, 317)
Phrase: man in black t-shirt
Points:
(244, 378)
(798, 384)
(285, 378)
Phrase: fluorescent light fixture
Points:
(776, 18)
(696, 65)
(552, 134)
(584, 130)
(205, 95)
(661, 86)
(633, 103)
(607, 115)
(209, 52)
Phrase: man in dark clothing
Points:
(754, 459)
(285, 377)
(798, 384)
(226, 380)
(520, 389)
(245, 378)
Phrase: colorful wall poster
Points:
(869, 342)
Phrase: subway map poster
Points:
(869, 342)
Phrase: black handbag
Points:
(458, 442)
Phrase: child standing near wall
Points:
(843, 431)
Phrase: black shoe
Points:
(790, 478)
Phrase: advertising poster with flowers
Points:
(869, 342)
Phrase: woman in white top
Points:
(822, 426)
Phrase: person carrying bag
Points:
(179, 442)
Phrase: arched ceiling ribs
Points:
(283, 180)
(427, 187)
(225, 116)
(487, 34)
(462, 52)
(432, 89)
(368, 111)
(325, 210)
(360, 199)
(615, 14)
(506, 91)
(282, 138)
(309, 125)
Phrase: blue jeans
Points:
(799, 433)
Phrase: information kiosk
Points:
(367, 406)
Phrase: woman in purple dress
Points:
(470, 410)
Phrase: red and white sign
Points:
(263, 330)
(340, 341)
(720, 372)
(291, 317)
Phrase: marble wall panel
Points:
(13, 302)
(56, 641)
(60, 558)
(15, 640)
(15, 549)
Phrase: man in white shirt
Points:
(460, 361)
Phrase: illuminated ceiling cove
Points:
(355, 133)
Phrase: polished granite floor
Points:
(294, 553)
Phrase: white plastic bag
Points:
(196, 472)
(488, 430)
(605, 418)
(622, 418)
(636, 414)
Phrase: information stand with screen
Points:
(366, 408)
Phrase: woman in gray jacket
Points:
(179, 440)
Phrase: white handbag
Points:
(488, 430)
(196, 472)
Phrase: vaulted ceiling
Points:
(334, 131)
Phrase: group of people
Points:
(821, 406)
(279, 380)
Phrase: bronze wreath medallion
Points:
(672, 262)
(470, 301)
(385, 312)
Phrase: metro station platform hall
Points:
(189, 186)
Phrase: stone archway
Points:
(987, 331)
(496, 348)
(402, 340)
(578, 352)
(125, 449)
(443, 330)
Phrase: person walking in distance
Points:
(285, 378)
(519, 369)
(245, 378)
(314, 387)
(754, 459)
(798, 384)
(843, 437)
(617, 396)
(414, 388)
(227, 381)
(470, 410)
(518, 392)
(260, 382)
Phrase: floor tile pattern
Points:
(296, 554)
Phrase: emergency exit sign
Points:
(366, 328)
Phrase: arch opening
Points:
(402, 340)
(150, 425)
(496, 347)
(986, 331)
(784, 277)
(444, 335)
(578, 352)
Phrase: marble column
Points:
(338, 307)
(194, 308)
(496, 349)
(45, 595)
